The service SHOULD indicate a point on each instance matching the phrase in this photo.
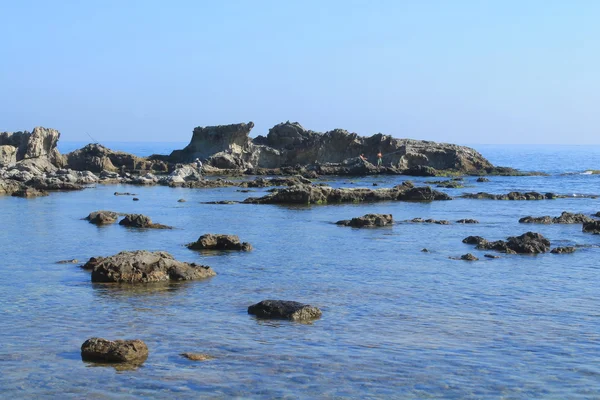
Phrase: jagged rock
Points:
(368, 220)
(97, 158)
(118, 351)
(197, 356)
(102, 217)
(527, 243)
(8, 155)
(564, 218)
(92, 263)
(467, 221)
(420, 170)
(181, 174)
(563, 250)
(468, 257)
(592, 227)
(306, 194)
(141, 221)
(482, 179)
(424, 250)
(282, 309)
(145, 266)
(219, 242)
(42, 143)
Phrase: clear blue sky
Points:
(501, 71)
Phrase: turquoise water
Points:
(397, 323)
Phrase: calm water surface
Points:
(397, 323)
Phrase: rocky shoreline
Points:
(31, 165)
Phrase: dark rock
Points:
(474, 240)
(529, 243)
(368, 220)
(141, 221)
(591, 227)
(564, 218)
(118, 351)
(29, 192)
(375, 184)
(424, 251)
(563, 250)
(219, 242)
(136, 199)
(281, 309)
(420, 170)
(490, 256)
(181, 201)
(482, 179)
(468, 257)
(102, 217)
(92, 263)
(145, 266)
(451, 184)
(124, 194)
(509, 196)
(467, 221)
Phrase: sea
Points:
(397, 323)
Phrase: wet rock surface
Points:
(197, 356)
(527, 243)
(283, 309)
(307, 194)
(102, 217)
(219, 242)
(368, 221)
(564, 218)
(467, 221)
(591, 227)
(563, 250)
(511, 196)
(117, 351)
(141, 221)
(144, 266)
(428, 221)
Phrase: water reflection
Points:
(126, 290)
(119, 367)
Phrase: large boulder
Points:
(219, 242)
(42, 143)
(141, 221)
(144, 266)
(8, 155)
(368, 221)
(117, 351)
(282, 309)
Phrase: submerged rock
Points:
(219, 242)
(197, 356)
(468, 257)
(482, 179)
(368, 220)
(144, 266)
(71, 261)
(591, 227)
(490, 256)
(282, 309)
(117, 351)
(510, 196)
(429, 221)
(467, 221)
(141, 221)
(563, 250)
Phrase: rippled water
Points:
(397, 323)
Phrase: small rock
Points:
(368, 221)
(282, 309)
(467, 221)
(563, 250)
(491, 256)
(98, 349)
(219, 242)
(482, 179)
(102, 217)
(468, 257)
(197, 356)
(124, 194)
(375, 184)
(136, 199)
(141, 221)
(181, 201)
(72, 261)
(424, 251)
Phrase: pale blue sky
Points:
(500, 71)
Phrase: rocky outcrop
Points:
(368, 221)
(117, 351)
(564, 218)
(527, 243)
(219, 242)
(468, 257)
(307, 194)
(97, 158)
(482, 179)
(289, 144)
(285, 181)
(141, 221)
(145, 266)
(102, 217)
(428, 221)
(282, 309)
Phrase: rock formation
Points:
(219, 242)
(368, 221)
(564, 218)
(118, 351)
(527, 243)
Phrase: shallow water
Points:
(397, 323)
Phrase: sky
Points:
(467, 72)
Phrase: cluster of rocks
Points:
(511, 196)
(310, 194)
(368, 221)
(441, 221)
(527, 243)
(104, 217)
(564, 218)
